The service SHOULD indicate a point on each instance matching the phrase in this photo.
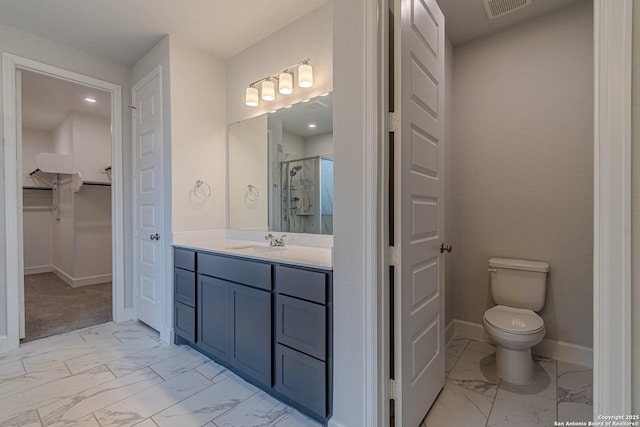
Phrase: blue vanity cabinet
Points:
(270, 323)
(184, 282)
(303, 353)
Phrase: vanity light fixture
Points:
(285, 80)
(312, 125)
(251, 96)
(305, 75)
(285, 83)
(90, 100)
(268, 90)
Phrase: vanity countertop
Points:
(304, 256)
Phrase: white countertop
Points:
(305, 256)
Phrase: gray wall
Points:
(523, 156)
(635, 218)
(39, 49)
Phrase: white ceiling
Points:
(47, 101)
(124, 30)
(318, 110)
(466, 20)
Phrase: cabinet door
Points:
(185, 321)
(302, 378)
(184, 285)
(251, 332)
(214, 315)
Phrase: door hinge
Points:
(393, 389)
(393, 256)
(394, 122)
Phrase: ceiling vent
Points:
(498, 8)
(316, 105)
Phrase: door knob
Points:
(155, 236)
(447, 248)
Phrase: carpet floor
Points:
(53, 307)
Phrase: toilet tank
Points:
(519, 283)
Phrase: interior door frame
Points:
(612, 214)
(13, 182)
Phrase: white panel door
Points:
(148, 203)
(419, 189)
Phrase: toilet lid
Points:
(514, 320)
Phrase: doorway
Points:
(108, 174)
(66, 216)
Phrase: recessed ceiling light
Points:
(312, 125)
(90, 100)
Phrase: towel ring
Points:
(202, 190)
(252, 193)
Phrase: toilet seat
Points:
(514, 320)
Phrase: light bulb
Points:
(285, 86)
(305, 75)
(268, 90)
(251, 96)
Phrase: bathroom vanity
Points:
(264, 315)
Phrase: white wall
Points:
(198, 130)
(36, 48)
(635, 218)
(91, 146)
(64, 233)
(37, 218)
(248, 149)
(34, 142)
(308, 37)
(63, 137)
(37, 223)
(523, 156)
(92, 223)
(350, 286)
(293, 145)
(319, 145)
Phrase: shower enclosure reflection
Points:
(307, 195)
(281, 170)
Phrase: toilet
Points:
(518, 288)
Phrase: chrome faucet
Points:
(275, 241)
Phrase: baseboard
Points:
(76, 282)
(4, 343)
(558, 350)
(38, 269)
(449, 331)
(128, 314)
(166, 334)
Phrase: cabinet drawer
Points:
(302, 378)
(236, 270)
(184, 259)
(184, 284)
(301, 325)
(305, 284)
(185, 321)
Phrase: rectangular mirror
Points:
(281, 169)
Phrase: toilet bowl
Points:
(518, 288)
(514, 331)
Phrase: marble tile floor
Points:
(123, 375)
(474, 395)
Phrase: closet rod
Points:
(98, 184)
(37, 188)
